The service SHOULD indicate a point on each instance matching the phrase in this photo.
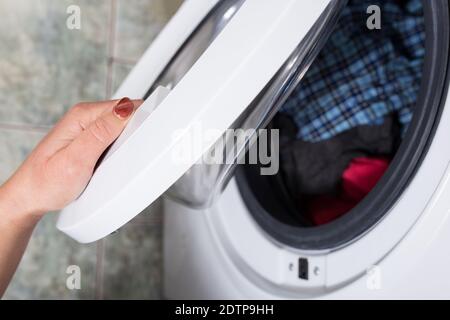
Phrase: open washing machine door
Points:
(203, 79)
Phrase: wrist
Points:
(14, 205)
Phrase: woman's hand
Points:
(59, 168)
(55, 173)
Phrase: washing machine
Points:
(229, 233)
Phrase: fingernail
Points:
(124, 108)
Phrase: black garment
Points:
(316, 168)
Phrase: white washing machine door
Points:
(265, 43)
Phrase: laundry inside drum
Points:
(343, 125)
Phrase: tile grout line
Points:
(24, 127)
(111, 48)
(109, 78)
(99, 274)
(123, 60)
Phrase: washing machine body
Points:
(227, 251)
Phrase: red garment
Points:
(357, 181)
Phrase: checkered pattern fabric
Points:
(362, 75)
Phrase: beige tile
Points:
(138, 23)
(45, 67)
(132, 262)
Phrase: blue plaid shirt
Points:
(362, 75)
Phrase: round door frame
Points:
(402, 169)
(263, 258)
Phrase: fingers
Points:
(75, 122)
(101, 132)
(86, 112)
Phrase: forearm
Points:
(16, 226)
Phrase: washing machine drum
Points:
(355, 130)
(350, 90)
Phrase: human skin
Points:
(55, 173)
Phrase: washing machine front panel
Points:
(210, 97)
(406, 249)
(398, 245)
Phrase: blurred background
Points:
(45, 68)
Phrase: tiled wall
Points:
(44, 69)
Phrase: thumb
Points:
(101, 132)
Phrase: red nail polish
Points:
(124, 108)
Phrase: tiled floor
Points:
(44, 69)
